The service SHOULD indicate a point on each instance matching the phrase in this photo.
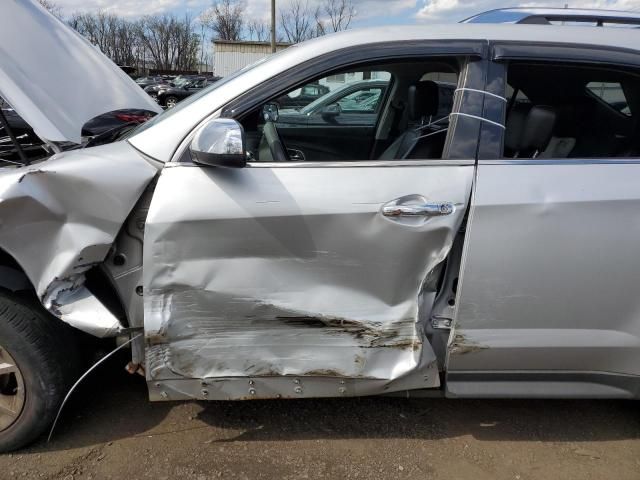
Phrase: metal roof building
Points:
(230, 56)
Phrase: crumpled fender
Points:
(59, 218)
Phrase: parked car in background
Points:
(177, 81)
(474, 243)
(168, 96)
(144, 82)
(302, 97)
(350, 113)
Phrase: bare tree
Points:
(53, 7)
(297, 21)
(114, 36)
(258, 30)
(171, 42)
(334, 16)
(226, 19)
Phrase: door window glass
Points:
(571, 111)
(611, 93)
(339, 117)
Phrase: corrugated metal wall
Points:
(230, 57)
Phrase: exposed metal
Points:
(321, 285)
(70, 208)
(12, 392)
(317, 279)
(7, 128)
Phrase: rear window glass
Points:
(612, 94)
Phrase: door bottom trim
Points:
(541, 384)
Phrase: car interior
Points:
(560, 111)
(411, 121)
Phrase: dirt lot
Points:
(111, 431)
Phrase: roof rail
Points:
(545, 16)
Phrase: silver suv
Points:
(489, 250)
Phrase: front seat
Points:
(423, 103)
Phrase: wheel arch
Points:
(12, 275)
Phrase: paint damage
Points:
(71, 208)
(249, 277)
(461, 345)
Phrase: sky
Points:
(368, 12)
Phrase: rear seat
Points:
(529, 132)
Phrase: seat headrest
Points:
(538, 128)
(424, 99)
(529, 129)
(515, 127)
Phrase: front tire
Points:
(171, 101)
(38, 363)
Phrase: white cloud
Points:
(456, 10)
(368, 11)
(130, 8)
(255, 8)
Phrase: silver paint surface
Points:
(551, 268)
(60, 218)
(268, 272)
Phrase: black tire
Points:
(171, 101)
(44, 351)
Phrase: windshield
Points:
(313, 105)
(195, 97)
(180, 81)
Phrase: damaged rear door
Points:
(308, 279)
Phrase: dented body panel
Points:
(550, 278)
(280, 271)
(60, 218)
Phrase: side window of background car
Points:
(364, 100)
(560, 111)
(337, 117)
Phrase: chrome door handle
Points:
(435, 209)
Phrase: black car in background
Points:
(168, 96)
(178, 81)
(152, 80)
(308, 94)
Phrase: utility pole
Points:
(273, 26)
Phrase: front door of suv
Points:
(301, 279)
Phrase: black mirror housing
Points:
(330, 112)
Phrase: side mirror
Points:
(219, 143)
(330, 112)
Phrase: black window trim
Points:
(502, 52)
(474, 49)
(339, 59)
(566, 52)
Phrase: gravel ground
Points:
(109, 430)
